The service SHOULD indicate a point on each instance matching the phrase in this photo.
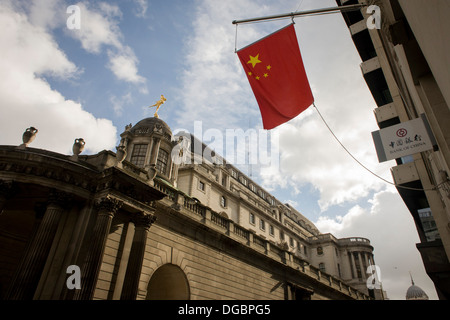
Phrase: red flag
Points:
(275, 70)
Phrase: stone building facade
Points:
(140, 224)
(405, 63)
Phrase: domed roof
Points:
(415, 293)
(148, 125)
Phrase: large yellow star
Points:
(254, 60)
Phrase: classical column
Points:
(366, 259)
(142, 223)
(107, 208)
(353, 265)
(372, 259)
(35, 256)
(361, 266)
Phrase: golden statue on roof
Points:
(158, 104)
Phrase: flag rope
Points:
(362, 165)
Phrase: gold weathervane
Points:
(158, 104)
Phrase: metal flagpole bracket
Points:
(292, 15)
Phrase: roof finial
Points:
(412, 281)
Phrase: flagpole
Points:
(351, 7)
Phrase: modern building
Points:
(142, 224)
(406, 65)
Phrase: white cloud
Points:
(47, 14)
(28, 53)
(389, 226)
(119, 103)
(124, 65)
(141, 7)
(99, 29)
(311, 155)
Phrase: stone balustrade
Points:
(227, 227)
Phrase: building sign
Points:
(403, 139)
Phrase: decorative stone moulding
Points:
(151, 171)
(121, 154)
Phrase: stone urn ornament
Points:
(78, 147)
(28, 137)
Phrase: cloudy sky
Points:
(93, 80)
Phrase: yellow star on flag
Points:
(254, 60)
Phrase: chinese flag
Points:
(275, 70)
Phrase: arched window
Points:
(319, 250)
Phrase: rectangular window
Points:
(138, 155)
(271, 230)
(252, 218)
(223, 201)
(262, 224)
(161, 163)
(291, 242)
(201, 185)
(322, 267)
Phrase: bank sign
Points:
(403, 139)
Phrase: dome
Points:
(415, 293)
(149, 125)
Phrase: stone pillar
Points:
(155, 149)
(366, 259)
(372, 258)
(35, 256)
(107, 208)
(142, 223)
(361, 266)
(353, 265)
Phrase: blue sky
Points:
(93, 81)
